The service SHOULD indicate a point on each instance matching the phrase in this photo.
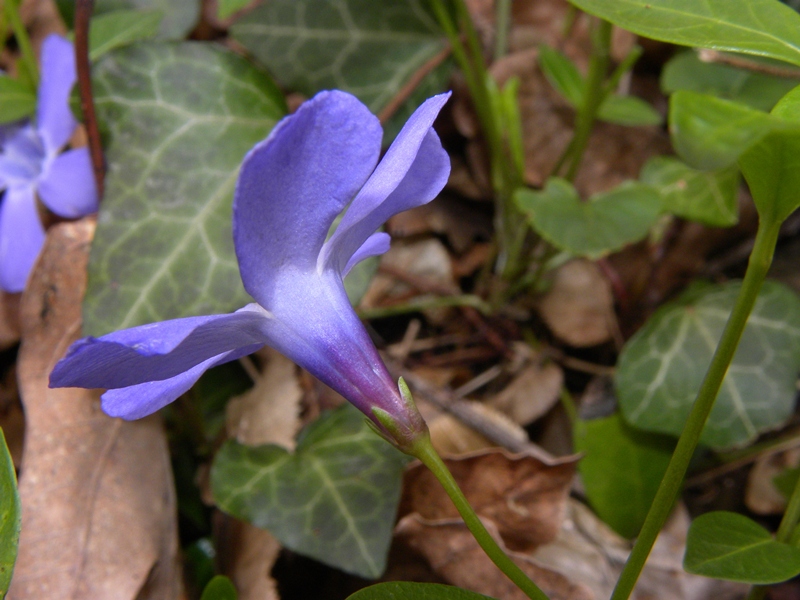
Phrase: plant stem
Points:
(425, 303)
(28, 58)
(502, 12)
(757, 268)
(424, 451)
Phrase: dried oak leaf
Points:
(98, 504)
(522, 495)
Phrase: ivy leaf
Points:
(334, 499)
(727, 545)
(761, 27)
(686, 71)
(709, 197)
(370, 49)
(163, 246)
(710, 133)
(10, 517)
(120, 28)
(17, 100)
(179, 16)
(621, 470)
(661, 368)
(406, 590)
(604, 223)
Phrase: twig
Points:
(83, 15)
(713, 56)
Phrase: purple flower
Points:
(290, 189)
(32, 164)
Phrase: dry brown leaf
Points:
(761, 496)
(9, 319)
(531, 393)
(579, 305)
(247, 555)
(523, 496)
(452, 437)
(98, 505)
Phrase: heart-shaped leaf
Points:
(178, 120)
(604, 223)
(333, 499)
(727, 545)
(661, 368)
(709, 197)
(761, 27)
(179, 16)
(406, 590)
(621, 469)
(120, 28)
(10, 517)
(370, 49)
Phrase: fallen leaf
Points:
(98, 504)
(452, 437)
(247, 555)
(761, 495)
(9, 319)
(533, 392)
(579, 306)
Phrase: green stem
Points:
(502, 12)
(28, 58)
(424, 451)
(757, 268)
(593, 97)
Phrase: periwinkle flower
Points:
(32, 164)
(290, 189)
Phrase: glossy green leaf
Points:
(686, 71)
(406, 590)
(727, 545)
(120, 28)
(177, 119)
(628, 110)
(10, 517)
(772, 165)
(179, 16)
(661, 368)
(562, 73)
(17, 100)
(604, 223)
(709, 197)
(710, 133)
(621, 469)
(219, 588)
(760, 27)
(333, 499)
(370, 49)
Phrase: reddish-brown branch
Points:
(83, 15)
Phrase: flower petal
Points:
(54, 118)
(376, 244)
(68, 187)
(21, 237)
(140, 400)
(293, 184)
(158, 351)
(21, 157)
(413, 172)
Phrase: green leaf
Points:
(219, 588)
(333, 499)
(727, 545)
(406, 590)
(120, 28)
(17, 100)
(628, 110)
(178, 119)
(661, 368)
(786, 481)
(772, 165)
(620, 470)
(686, 71)
(368, 48)
(226, 8)
(709, 197)
(179, 16)
(10, 517)
(760, 27)
(606, 222)
(562, 74)
(710, 133)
